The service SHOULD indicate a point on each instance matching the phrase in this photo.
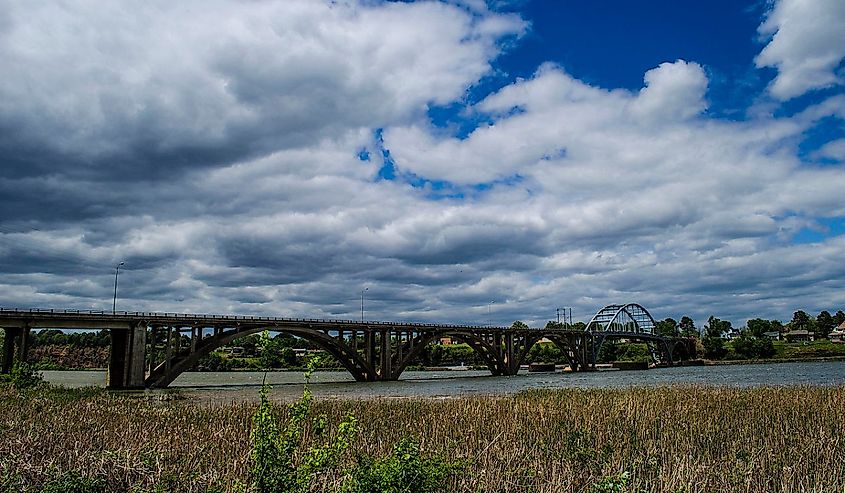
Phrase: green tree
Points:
(545, 353)
(716, 327)
(271, 351)
(519, 325)
(758, 326)
(714, 347)
(800, 321)
(610, 351)
(824, 324)
(667, 328)
(839, 317)
(687, 327)
(753, 347)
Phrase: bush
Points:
(754, 347)
(406, 471)
(277, 462)
(714, 348)
(73, 482)
(23, 376)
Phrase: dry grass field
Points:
(670, 439)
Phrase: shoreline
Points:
(705, 362)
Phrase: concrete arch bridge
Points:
(152, 349)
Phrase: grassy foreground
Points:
(670, 439)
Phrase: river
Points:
(226, 387)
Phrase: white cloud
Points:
(245, 122)
(673, 91)
(833, 150)
(173, 79)
(806, 47)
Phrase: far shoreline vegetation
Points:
(717, 342)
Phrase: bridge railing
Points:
(223, 318)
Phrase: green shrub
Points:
(753, 347)
(73, 482)
(23, 376)
(277, 462)
(612, 484)
(405, 471)
(714, 347)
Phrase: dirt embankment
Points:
(69, 356)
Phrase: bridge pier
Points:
(15, 347)
(126, 361)
(386, 358)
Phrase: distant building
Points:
(799, 336)
(773, 335)
(445, 341)
(838, 334)
(732, 333)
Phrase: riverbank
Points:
(661, 439)
(816, 359)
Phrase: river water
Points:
(226, 387)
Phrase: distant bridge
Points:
(151, 349)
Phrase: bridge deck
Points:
(89, 319)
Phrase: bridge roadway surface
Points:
(150, 349)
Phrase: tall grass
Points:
(670, 439)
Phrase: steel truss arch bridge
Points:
(632, 322)
(152, 349)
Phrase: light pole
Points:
(489, 316)
(558, 314)
(362, 303)
(114, 300)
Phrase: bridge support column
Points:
(386, 356)
(126, 362)
(15, 347)
(510, 365)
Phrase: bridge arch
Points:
(631, 321)
(167, 371)
(630, 318)
(491, 347)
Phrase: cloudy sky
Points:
(463, 161)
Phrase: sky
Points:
(456, 161)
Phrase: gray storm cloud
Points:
(215, 147)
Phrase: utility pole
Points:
(114, 300)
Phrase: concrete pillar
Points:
(23, 346)
(135, 357)
(370, 348)
(117, 358)
(194, 338)
(168, 353)
(508, 356)
(126, 362)
(386, 367)
(9, 338)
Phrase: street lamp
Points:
(114, 301)
(362, 303)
